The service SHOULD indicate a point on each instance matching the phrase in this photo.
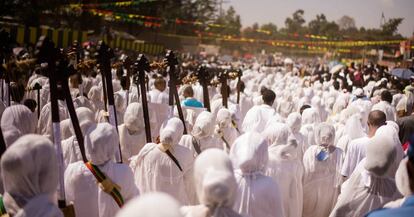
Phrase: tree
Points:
(391, 26)
(346, 22)
(321, 26)
(294, 24)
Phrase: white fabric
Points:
(89, 199)
(321, 178)
(17, 120)
(215, 186)
(402, 178)
(310, 118)
(132, 133)
(387, 108)
(224, 128)
(29, 171)
(285, 168)
(294, 122)
(257, 194)
(356, 152)
(203, 133)
(155, 171)
(257, 117)
(44, 124)
(157, 96)
(369, 187)
(65, 129)
(353, 130)
(151, 205)
(70, 146)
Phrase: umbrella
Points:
(337, 68)
(402, 73)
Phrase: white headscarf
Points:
(17, 120)
(155, 204)
(204, 125)
(294, 122)
(101, 143)
(30, 175)
(257, 195)
(215, 185)
(134, 117)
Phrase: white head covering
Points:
(95, 93)
(402, 178)
(66, 128)
(310, 116)
(215, 184)
(101, 142)
(380, 154)
(171, 131)
(277, 134)
(249, 153)
(325, 134)
(30, 176)
(17, 120)
(134, 117)
(294, 121)
(204, 125)
(223, 118)
(155, 204)
(353, 127)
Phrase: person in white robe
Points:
(310, 118)
(257, 194)
(294, 122)
(385, 106)
(202, 136)
(215, 186)
(30, 175)
(155, 170)
(225, 131)
(322, 179)
(132, 132)
(17, 120)
(89, 198)
(370, 186)
(155, 204)
(70, 146)
(44, 124)
(159, 93)
(357, 148)
(285, 168)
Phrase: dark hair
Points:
(188, 91)
(268, 97)
(377, 118)
(303, 108)
(386, 96)
(31, 104)
(336, 85)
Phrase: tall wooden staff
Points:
(172, 62)
(46, 52)
(223, 76)
(204, 79)
(105, 54)
(239, 75)
(141, 66)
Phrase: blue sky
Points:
(365, 12)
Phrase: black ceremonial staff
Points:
(46, 52)
(141, 66)
(239, 75)
(204, 79)
(223, 77)
(105, 54)
(172, 62)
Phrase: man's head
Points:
(386, 96)
(160, 84)
(188, 92)
(302, 108)
(268, 97)
(376, 119)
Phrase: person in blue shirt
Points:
(190, 101)
(405, 183)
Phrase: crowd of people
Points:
(295, 140)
